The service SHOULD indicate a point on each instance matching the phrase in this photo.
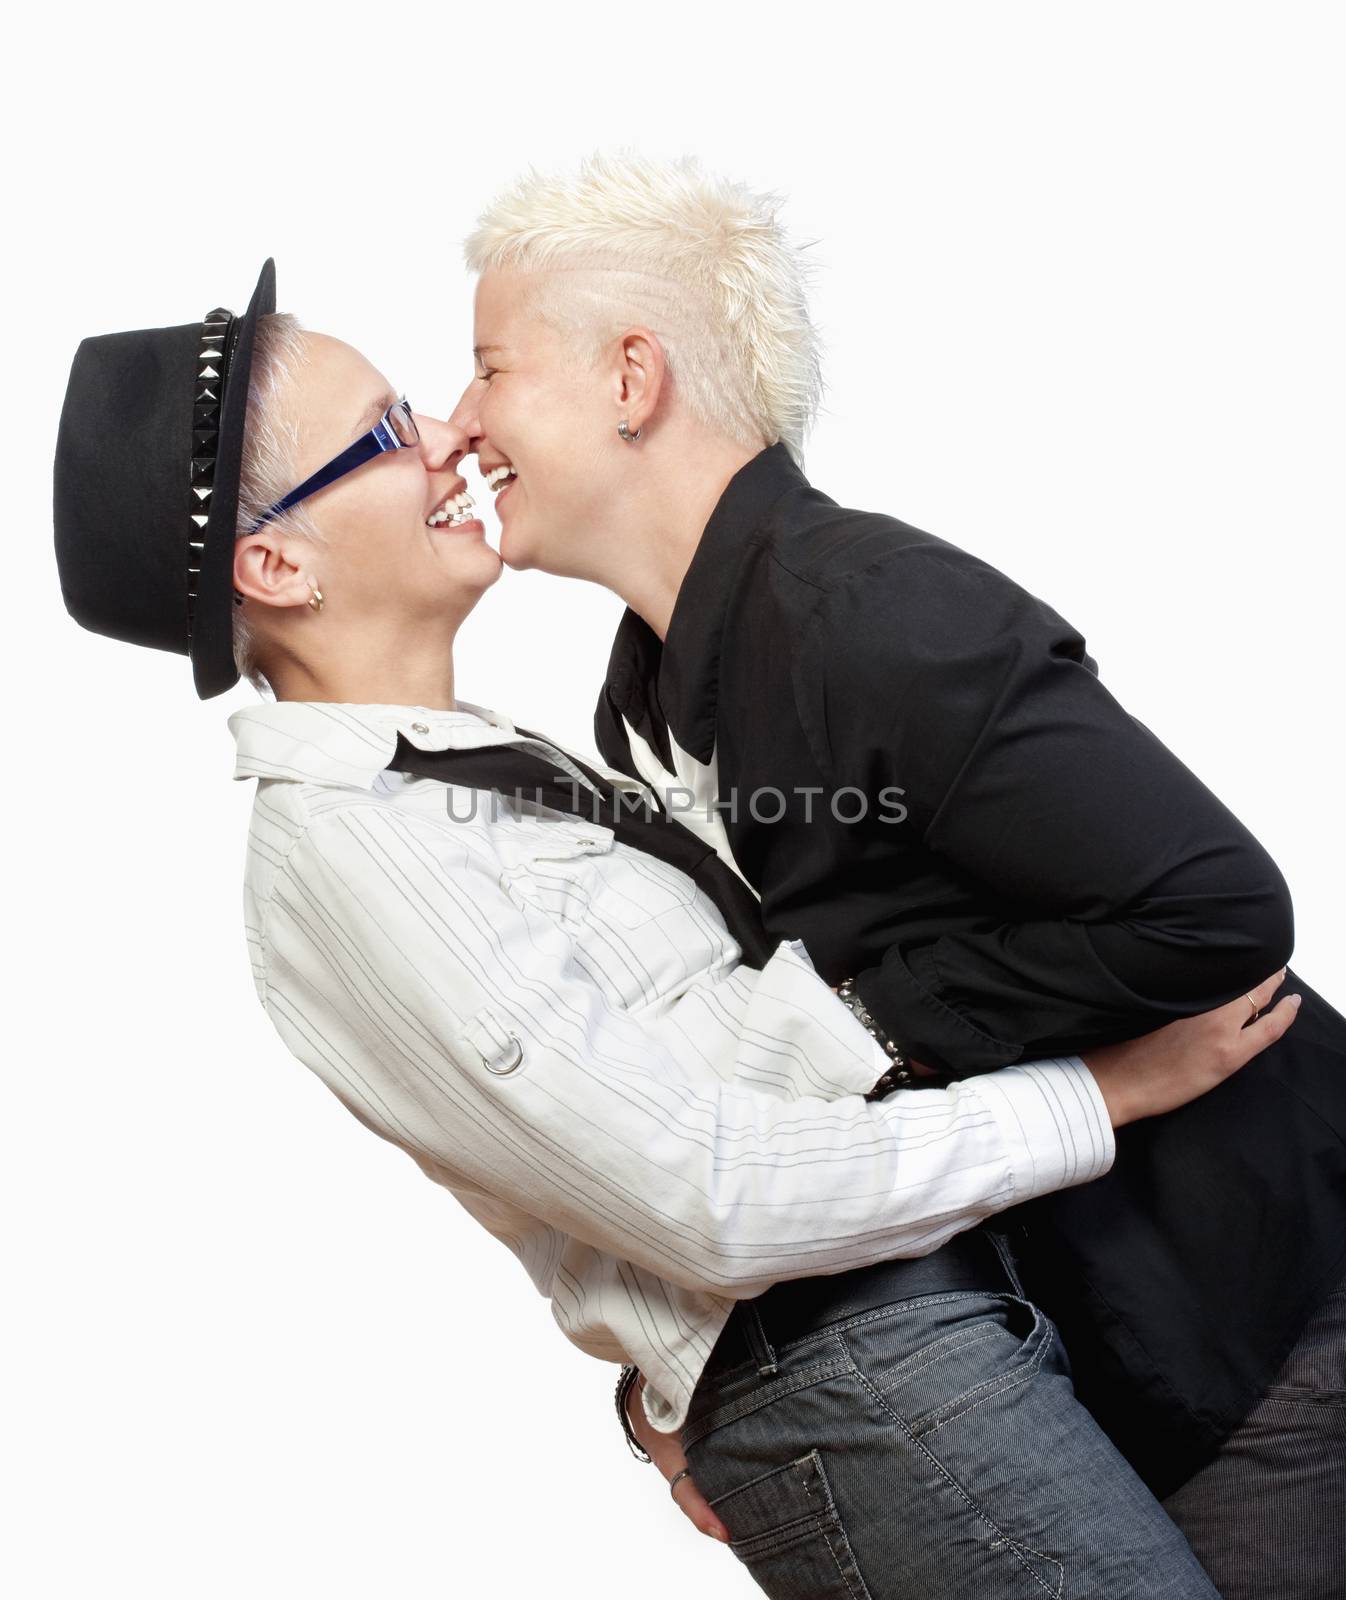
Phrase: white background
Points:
(1080, 279)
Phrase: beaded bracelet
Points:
(898, 1075)
(625, 1383)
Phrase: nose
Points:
(465, 418)
(443, 443)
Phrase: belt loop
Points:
(1002, 1249)
(758, 1342)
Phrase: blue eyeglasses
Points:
(395, 430)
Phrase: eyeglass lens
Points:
(403, 424)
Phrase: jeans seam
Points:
(1011, 1545)
(1021, 1544)
(829, 1519)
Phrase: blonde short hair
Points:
(270, 452)
(703, 261)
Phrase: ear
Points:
(638, 375)
(271, 567)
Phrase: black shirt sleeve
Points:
(1141, 897)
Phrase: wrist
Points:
(1113, 1086)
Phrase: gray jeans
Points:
(1267, 1517)
(927, 1446)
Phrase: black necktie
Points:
(526, 774)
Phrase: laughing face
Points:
(400, 544)
(539, 415)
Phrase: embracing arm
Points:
(1140, 897)
(400, 971)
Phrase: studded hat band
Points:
(212, 369)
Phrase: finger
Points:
(1268, 986)
(1269, 1027)
(697, 1508)
(665, 1450)
(1260, 996)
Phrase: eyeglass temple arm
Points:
(374, 443)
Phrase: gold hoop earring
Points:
(315, 599)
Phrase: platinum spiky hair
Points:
(702, 260)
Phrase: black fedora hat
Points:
(148, 457)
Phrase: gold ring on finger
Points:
(1257, 1010)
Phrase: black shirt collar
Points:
(680, 677)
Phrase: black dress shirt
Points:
(1035, 872)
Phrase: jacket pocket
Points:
(553, 871)
(572, 875)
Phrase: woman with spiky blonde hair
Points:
(647, 372)
(693, 253)
(567, 266)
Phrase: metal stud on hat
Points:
(211, 371)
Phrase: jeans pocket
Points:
(785, 1528)
(931, 1362)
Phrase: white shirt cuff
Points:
(1054, 1120)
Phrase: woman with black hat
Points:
(557, 1001)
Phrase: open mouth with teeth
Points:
(452, 512)
(500, 478)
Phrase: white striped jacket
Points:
(557, 1028)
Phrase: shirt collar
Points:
(347, 746)
(682, 672)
